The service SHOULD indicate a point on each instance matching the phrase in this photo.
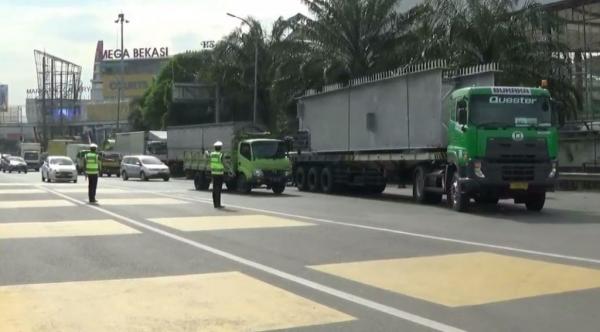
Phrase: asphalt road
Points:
(155, 256)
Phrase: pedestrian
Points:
(217, 170)
(91, 166)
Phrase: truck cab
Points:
(261, 162)
(502, 143)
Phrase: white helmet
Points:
(218, 144)
(93, 146)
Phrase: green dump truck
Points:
(252, 158)
(446, 132)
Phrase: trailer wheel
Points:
(535, 201)
(457, 199)
(201, 182)
(301, 179)
(420, 195)
(328, 185)
(313, 178)
(278, 188)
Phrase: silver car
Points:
(59, 168)
(144, 168)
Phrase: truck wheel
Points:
(301, 179)
(328, 185)
(242, 185)
(312, 180)
(231, 185)
(535, 201)
(420, 195)
(457, 199)
(201, 182)
(278, 188)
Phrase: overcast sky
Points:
(70, 29)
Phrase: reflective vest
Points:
(91, 163)
(216, 165)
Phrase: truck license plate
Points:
(519, 186)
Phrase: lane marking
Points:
(419, 320)
(215, 223)
(23, 230)
(400, 232)
(35, 204)
(20, 191)
(141, 201)
(467, 279)
(100, 191)
(229, 301)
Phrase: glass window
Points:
(268, 149)
(511, 111)
(245, 151)
(61, 161)
(151, 161)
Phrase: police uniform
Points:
(91, 171)
(217, 170)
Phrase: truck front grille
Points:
(518, 172)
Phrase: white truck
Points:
(31, 152)
(152, 143)
(74, 151)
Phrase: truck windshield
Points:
(151, 161)
(31, 156)
(510, 111)
(268, 150)
(157, 147)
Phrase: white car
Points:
(59, 168)
(144, 167)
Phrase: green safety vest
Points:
(216, 165)
(91, 163)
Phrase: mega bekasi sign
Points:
(136, 53)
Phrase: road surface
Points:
(155, 256)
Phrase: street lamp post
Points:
(255, 67)
(120, 19)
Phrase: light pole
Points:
(120, 19)
(255, 66)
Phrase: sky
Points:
(70, 29)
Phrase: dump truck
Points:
(447, 132)
(152, 143)
(31, 153)
(252, 158)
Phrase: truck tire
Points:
(231, 185)
(301, 179)
(420, 195)
(278, 188)
(313, 179)
(456, 198)
(243, 186)
(328, 185)
(201, 182)
(535, 201)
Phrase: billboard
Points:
(134, 85)
(3, 98)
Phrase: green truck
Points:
(447, 132)
(252, 158)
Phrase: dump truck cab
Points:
(258, 162)
(502, 143)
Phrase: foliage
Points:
(343, 39)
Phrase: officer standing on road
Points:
(91, 166)
(217, 169)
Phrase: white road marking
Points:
(20, 191)
(400, 232)
(281, 274)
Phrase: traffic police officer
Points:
(91, 171)
(217, 170)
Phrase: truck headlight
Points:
(258, 173)
(477, 169)
(553, 170)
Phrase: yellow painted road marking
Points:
(20, 191)
(467, 279)
(35, 204)
(212, 223)
(228, 301)
(141, 201)
(84, 190)
(63, 229)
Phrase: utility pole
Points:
(120, 19)
(254, 111)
